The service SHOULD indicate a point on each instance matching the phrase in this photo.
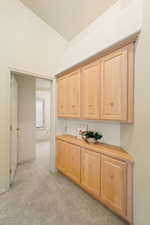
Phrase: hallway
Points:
(43, 154)
(42, 198)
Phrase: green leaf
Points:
(93, 134)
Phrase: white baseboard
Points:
(43, 140)
(3, 190)
(53, 170)
(26, 161)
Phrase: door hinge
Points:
(10, 171)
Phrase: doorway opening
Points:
(43, 126)
(31, 130)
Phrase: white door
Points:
(13, 129)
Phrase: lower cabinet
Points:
(108, 179)
(62, 156)
(73, 169)
(90, 171)
(68, 160)
(114, 184)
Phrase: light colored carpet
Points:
(39, 197)
(43, 154)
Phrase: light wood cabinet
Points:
(114, 70)
(62, 156)
(100, 90)
(105, 171)
(73, 94)
(61, 97)
(68, 160)
(69, 95)
(63, 101)
(114, 184)
(73, 169)
(90, 171)
(90, 95)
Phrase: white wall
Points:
(43, 134)
(26, 43)
(26, 118)
(110, 131)
(135, 138)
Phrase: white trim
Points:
(3, 190)
(53, 126)
(52, 114)
(43, 113)
(43, 76)
(43, 89)
(26, 161)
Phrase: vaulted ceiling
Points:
(68, 17)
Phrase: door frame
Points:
(13, 87)
(52, 113)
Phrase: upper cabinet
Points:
(62, 99)
(101, 90)
(73, 93)
(90, 87)
(69, 95)
(114, 70)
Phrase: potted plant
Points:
(91, 136)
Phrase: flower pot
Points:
(92, 140)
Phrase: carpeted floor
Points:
(39, 197)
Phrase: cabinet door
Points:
(73, 94)
(62, 97)
(114, 73)
(62, 156)
(90, 87)
(90, 171)
(113, 184)
(73, 170)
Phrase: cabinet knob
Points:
(112, 176)
(90, 105)
(73, 106)
(112, 104)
